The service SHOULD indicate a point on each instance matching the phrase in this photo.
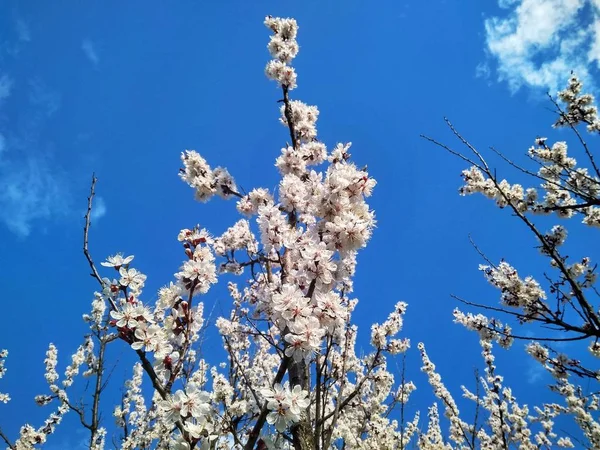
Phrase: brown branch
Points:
(318, 389)
(534, 338)
(477, 407)
(549, 250)
(498, 400)
(228, 190)
(159, 388)
(97, 391)
(262, 417)
(481, 253)
(553, 253)
(186, 344)
(470, 147)
(80, 413)
(403, 400)
(235, 361)
(86, 230)
(6, 440)
(567, 186)
(341, 405)
(576, 206)
(287, 111)
(553, 321)
(452, 152)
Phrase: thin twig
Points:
(86, 231)
(6, 440)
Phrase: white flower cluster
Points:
(457, 426)
(390, 328)
(30, 436)
(565, 185)
(488, 329)
(4, 398)
(191, 402)
(249, 204)
(237, 237)
(568, 190)
(206, 181)
(285, 405)
(515, 291)
(283, 48)
(169, 329)
(503, 192)
(580, 107)
(508, 424)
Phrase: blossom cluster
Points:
(206, 181)
(286, 405)
(284, 48)
(568, 189)
(580, 107)
(4, 398)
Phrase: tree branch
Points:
(86, 230)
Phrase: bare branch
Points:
(86, 230)
(6, 440)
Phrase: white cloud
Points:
(539, 42)
(6, 84)
(506, 3)
(45, 100)
(33, 188)
(30, 191)
(90, 51)
(98, 209)
(23, 31)
(535, 372)
(483, 70)
(76, 441)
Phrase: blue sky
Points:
(120, 89)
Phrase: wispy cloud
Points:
(44, 100)
(33, 189)
(89, 49)
(483, 70)
(535, 372)
(537, 43)
(99, 209)
(76, 441)
(23, 31)
(507, 3)
(30, 191)
(6, 85)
